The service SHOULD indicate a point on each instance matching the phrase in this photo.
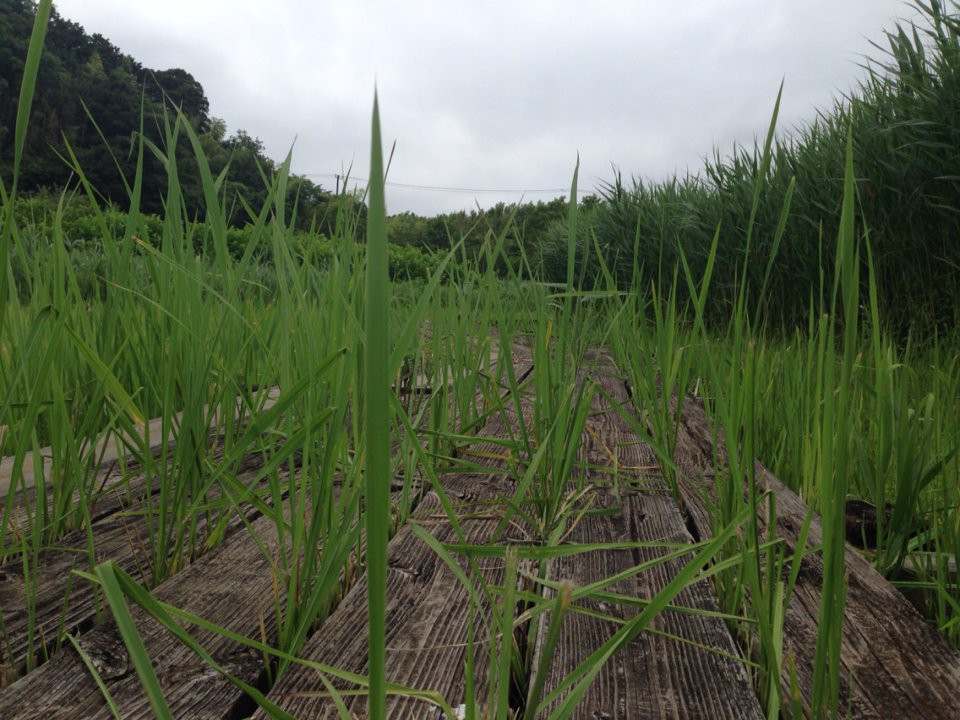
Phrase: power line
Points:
(440, 188)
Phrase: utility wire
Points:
(439, 188)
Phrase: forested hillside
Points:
(91, 103)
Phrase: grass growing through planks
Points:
(836, 408)
(835, 461)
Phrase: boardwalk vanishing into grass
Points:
(471, 582)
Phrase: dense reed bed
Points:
(905, 147)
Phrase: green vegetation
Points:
(906, 147)
(700, 287)
(522, 226)
(82, 232)
(94, 100)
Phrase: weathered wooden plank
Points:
(197, 691)
(232, 586)
(61, 604)
(894, 665)
(654, 676)
(427, 606)
(428, 611)
(427, 616)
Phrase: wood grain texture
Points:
(895, 665)
(62, 602)
(653, 676)
(427, 617)
(428, 607)
(231, 586)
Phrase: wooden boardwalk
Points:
(895, 665)
(64, 604)
(655, 676)
(687, 665)
(232, 586)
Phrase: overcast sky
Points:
(501, 95)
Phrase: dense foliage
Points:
(93, 101)
(45, 221)
(906, 133)
(522, 227)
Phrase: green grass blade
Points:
(116, 391)
(28, 86)
(107, 572)
(91, 668)
(377, 431)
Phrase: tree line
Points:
(91, 102)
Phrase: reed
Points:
(187, 330)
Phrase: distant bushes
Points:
(44, 219)
(905, 123)
(410, 263)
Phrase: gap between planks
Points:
(198, 692)
(894, 664)
(696, 673)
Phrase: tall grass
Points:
(837, 405)
(821, 415)
(377, 425)
(905, 151)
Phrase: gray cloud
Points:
(502, 95)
